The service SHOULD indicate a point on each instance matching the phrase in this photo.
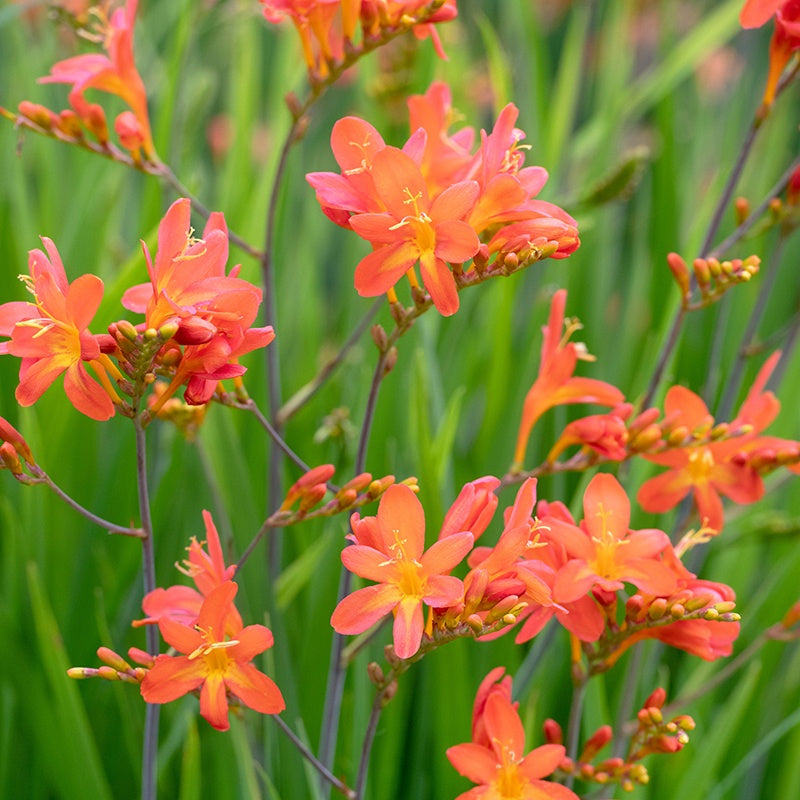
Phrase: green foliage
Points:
(596, 85)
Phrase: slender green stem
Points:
(369, 738)
(169, 177)
(336, 669)
(150, 746)
(312, 759)
(574, 727)
(748, 337)
(304, 394)
(119, 530)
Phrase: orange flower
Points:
(114, 73)
(717, 468)
(213, 663)
(604, 552)
(389, 549)
(494, 758)
(555, 384)
(414, 229)
(50, 336)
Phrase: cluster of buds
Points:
(623, 772)
(310, 489)
(115, 667)
(713, 277)
(114, 73)
(328, 28)
(655, 734)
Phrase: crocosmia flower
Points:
(495, 758)
(390, 549)
(415, 229)
(50, 335)
(213, 662)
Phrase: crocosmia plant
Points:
(397, 399)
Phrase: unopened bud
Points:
(388, 694)
(379, 337)
(312, 496)
(553, 733)
(475, 623)
(141, 657)
(375, 673)
(657, 609)
(677, 611)
(741, 209)
(645, 439)
(115, 660)
(725, 606)
(656, 699)
(677, 436)
(679, 271)
(701, 273)
(711, 614)
(390, 360)
(108, 673)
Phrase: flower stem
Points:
(311, 758)
(336, 669)
(150, 746)
(305, 393)
(574, 727)
(119, 530)
(366, 747)
(169, 177)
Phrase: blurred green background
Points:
(594, 83)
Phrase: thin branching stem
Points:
(748, 337)
(119, 530)
(169, 177)
(336, 669)
(312, 759)
(366, 747)
(303, 395)
(150, 746)
(574, 727)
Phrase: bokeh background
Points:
(668, 86)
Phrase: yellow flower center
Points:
(701, 463)
(213, 652)
(605, 561)
(509, 783)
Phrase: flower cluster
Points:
(197, 324)
(654, 734)
(436, 203)
(704, 458)
(114, 73)
(327, 28)
(205, 627)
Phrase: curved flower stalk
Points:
(50, 335)
(496, 759)
(435, 203)
(114, 73)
